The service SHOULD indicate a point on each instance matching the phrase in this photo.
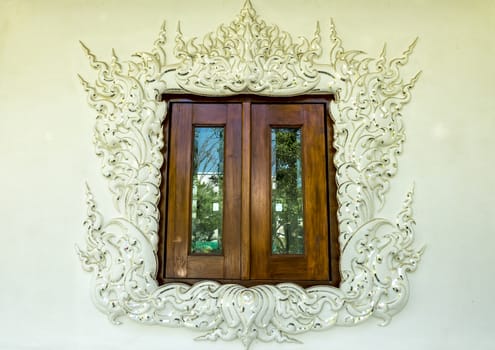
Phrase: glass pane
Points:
(287, 196)
(207, 190)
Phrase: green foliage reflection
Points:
(207, 188)
(287, 196)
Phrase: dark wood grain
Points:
(246, 191)
(246, 257)
(180, 263)
(313, 264)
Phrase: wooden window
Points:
(248, 192)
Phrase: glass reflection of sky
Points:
(207, 190)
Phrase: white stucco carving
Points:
(248, 56)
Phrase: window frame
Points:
(246, 101)
(377, 253)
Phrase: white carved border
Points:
(248, 56)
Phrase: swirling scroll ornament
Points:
(249, 56)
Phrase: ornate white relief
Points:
(250, 57)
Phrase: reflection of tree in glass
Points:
(287, 204)
(208, 150)
(207, 181)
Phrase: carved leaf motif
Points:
(369, 132)
(128, 134)
(248, 56)
(251, 57)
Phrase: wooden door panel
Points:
(313, 264)
(181, 263)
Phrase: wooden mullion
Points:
(246, 192)
(232, 192)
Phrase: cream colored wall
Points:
(46, 156)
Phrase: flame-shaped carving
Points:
(248, 56)
(251, 57)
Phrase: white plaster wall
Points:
(46, 156)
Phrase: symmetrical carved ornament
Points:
(249, 56)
